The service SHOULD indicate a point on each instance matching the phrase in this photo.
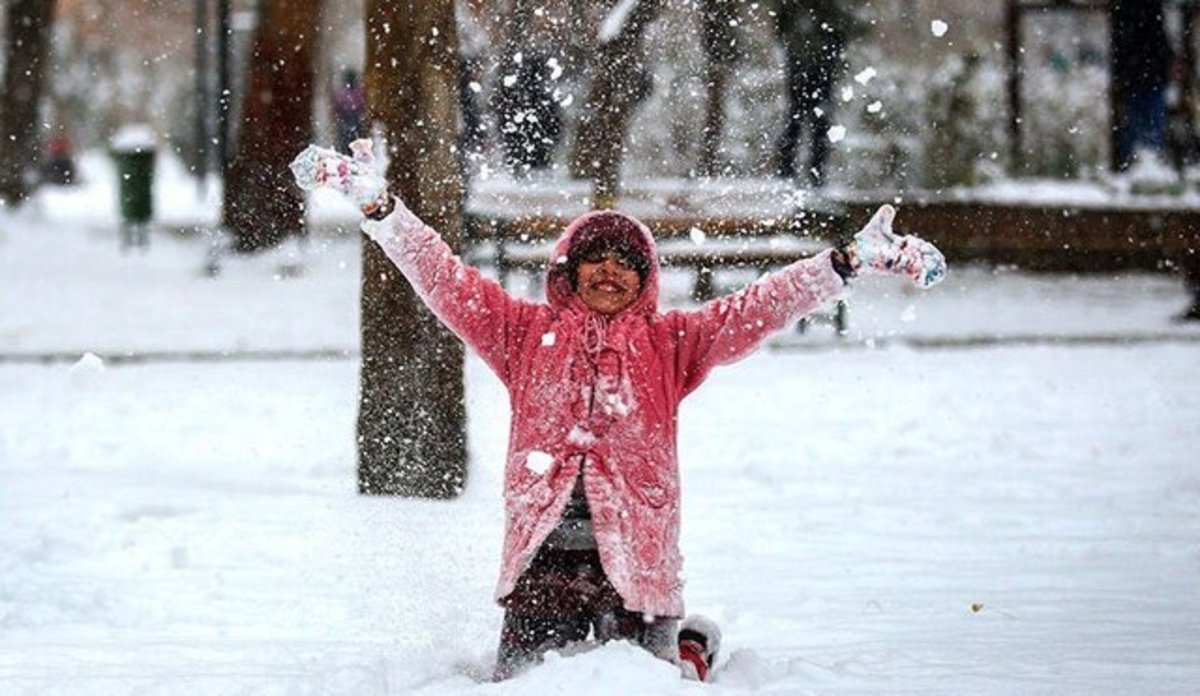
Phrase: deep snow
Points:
(861, 517)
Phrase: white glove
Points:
(876, 249)
(356, 176)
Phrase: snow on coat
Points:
(598, 394)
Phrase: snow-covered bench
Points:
(766, 247)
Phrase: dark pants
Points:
(809, 103)
(1144, 123)
(561, 598)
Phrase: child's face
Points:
(606, 283)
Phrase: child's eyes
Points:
(600, 258)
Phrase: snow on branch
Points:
(614, 23)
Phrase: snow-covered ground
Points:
(990, 488)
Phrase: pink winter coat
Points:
(598, 394)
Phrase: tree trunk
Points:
(261, 206)
(412, 416)
(619, 82)
(27, 46)
(718, 36)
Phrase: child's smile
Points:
(607, 285)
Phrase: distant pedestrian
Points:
(59, 166)
(349, 109)
(1141, 59)
(1182, 140)
(814, 34)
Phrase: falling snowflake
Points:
(837, 133)
(865, 76)
(939, 28)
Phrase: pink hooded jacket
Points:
(598, 395)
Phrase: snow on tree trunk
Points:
(412, 414)
(28, 41)
(619, 82)
(262, 207)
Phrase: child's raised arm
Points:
(474, 307)
(729, 328)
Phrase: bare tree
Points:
(26, 47)
(261, 207)
(619, 82)
(412, 416)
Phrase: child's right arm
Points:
(476, 308)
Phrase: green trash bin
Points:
(133, 152)
(136, 172)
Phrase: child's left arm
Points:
(729, 328)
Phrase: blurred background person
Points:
(814, 35)
(59, 165)
(1141, 58)
(349, 109)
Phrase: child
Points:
(595, 376)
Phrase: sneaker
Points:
(699, 641)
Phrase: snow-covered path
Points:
(860, 516)
(181, 529)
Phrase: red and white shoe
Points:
(699, 642)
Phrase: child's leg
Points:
(656, 634)
(549, 608)
(526, 637)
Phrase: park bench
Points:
(524, 245)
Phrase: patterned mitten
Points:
(876, 249)
(355, 176)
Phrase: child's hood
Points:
(559, 291)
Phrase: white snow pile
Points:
(90, 363)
